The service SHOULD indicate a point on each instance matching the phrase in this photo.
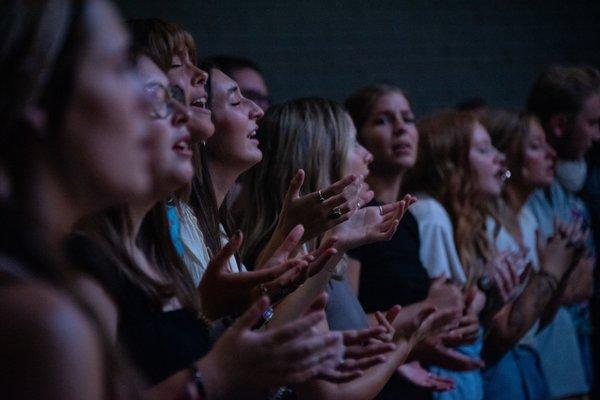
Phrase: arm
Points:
(353, 274)
(51, 347)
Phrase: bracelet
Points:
(551, 279)
(197, 381)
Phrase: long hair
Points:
(508, 131)
(308, 133)
(40, 45)
(442, 171)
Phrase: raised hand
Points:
(247, 359)
(369, 224)
(420, 377)
(223, 292)
(432, 351)
(313, 210)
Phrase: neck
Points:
(517, 195)
(53, 209)
(223, 178)
(137, 212)
(386, 186)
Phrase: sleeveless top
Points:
(160, 343)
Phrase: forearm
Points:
(515, 319)
(296, 303)
(363, 388)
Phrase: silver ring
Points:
(320, 196)
(358, 205)
(380, 210)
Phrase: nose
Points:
(500, 157)
(399, 126)
(255, 111)
(199, 77)
(550, 152)
(368, 157)
(181, 114)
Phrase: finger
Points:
(317, 266)
(264, 275)
(296, 183)
(296, 328)
(335, 376)
(512, 273)
(221, 260)
(338, 186)
(393, 312)
(251, 317)
(355, 337)
(525, 273)
(289, 244)
(382, 320)
(320, 303)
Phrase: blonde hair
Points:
(310, 134)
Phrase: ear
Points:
(36, 117)
(558, 125)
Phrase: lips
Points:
(252, 135)
(200, 104)
(402, 148)
(183, 147)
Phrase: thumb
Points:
(289, 243)
(293, 191)
(221, 260)
(251, 317)
(392, 313)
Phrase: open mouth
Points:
(252, 135)
(183, 146)
(401, 148)
(200, 102)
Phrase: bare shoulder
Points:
(50, 345)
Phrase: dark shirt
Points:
(159, 343)
(391, 272)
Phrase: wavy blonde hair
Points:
(308, 133)
(442, 170)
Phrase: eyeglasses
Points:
(160, 99)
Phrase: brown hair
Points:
(442, 170)
(561, 89)
(40, 45)
(308, 133)
(360, 103)
(160, 40)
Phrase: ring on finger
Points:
(358, 205)
(320, 196)
(335, 213)
(380, 210)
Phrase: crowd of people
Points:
(170, 232)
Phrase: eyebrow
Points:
(232, 89)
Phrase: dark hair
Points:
(38, 56)
(471, 103)
(40, 45)
(230, 64)
(561, 89)
(160, 40)
(202, 198)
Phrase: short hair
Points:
(562, 89)
(160, 40)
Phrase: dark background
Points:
(439, 51)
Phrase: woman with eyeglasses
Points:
(73, 142)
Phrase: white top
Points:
(438, 249)
(504, 241)
(196, 255)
